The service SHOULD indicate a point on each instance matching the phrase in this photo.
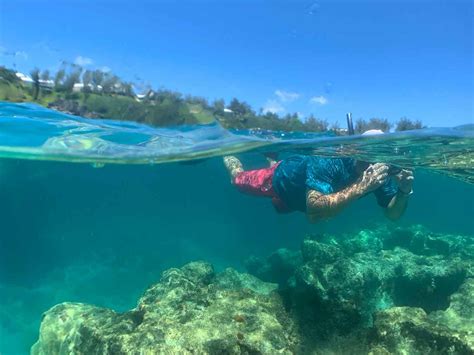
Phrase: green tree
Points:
(86, 81)
(72, 78)
(405, 124)
(127, 89)
(240, 107)
(8, 75)
(162, 95)
(45, 75)
(218, 107)
(35, 76)
(336, 128)
(97, 79)
(197, 100)
(169, 112)
(270, 116)
(292, 122)
(374, 123)
(109, 82)
(315, 124)
(59, 79)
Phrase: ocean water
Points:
(93, 211)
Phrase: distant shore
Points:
(97, 94)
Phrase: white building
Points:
(46, 84)
(149, 94)
(78, 87)
(24, 78)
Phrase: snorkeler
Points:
(322, 187)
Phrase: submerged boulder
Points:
(278, 268)
(191, 310)
(340, 282)
(379, 291)
(408, 330)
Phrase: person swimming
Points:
(321, 187)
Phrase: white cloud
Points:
(286, 96)
(21, 54)
(321, 100)
(83, 61)
(105, 69)
(273, 106)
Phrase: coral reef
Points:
(191, 310)
(379, 291)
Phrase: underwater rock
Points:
(407, 330)
(234, 280)
(421, 241)
(191, 310)
(324, 253)
(341, 281)
(373, 281)
(277, 268)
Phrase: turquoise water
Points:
(93, 211)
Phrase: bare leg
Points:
(233, 165)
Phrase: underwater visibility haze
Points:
(132, 238)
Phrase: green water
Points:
(102, 235)
(77, 233)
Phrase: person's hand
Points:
(373, 177)
(404, 180)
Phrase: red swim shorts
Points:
(256, 182)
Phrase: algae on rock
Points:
(410, 330)
(379, 291)
(191, 310)
(342, 281)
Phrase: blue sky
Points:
(374, 58)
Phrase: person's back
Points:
(321, 187)
(298, 173)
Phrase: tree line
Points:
(102, 94)
(403, 124)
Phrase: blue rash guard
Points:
(297, 174)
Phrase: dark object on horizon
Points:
(350, 125)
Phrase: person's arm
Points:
(399, 202)
(320, 206)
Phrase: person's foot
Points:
(233, 165)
